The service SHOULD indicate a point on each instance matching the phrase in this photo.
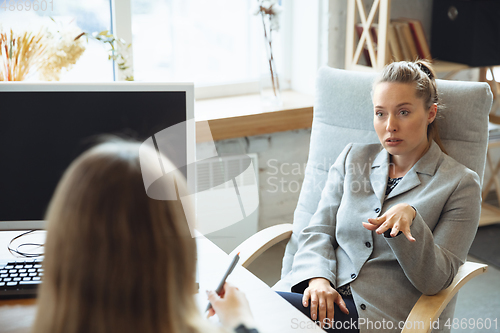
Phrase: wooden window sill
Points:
(240, 116)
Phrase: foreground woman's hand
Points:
(323, 296)
(398, 218)
(231, 307)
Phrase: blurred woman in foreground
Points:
(119, 261)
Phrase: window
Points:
(89, 15)
(218, 43)
(208, 42)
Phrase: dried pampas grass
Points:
(21, 54)
(46, 53)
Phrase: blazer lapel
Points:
(409, 181)
(379, 174)
(426, 165)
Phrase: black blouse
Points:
(243, 329)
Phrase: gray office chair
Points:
(342, 114)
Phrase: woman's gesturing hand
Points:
(323, 296)
(398, 218)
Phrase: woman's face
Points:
(401, 120)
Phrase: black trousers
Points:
(342, 322)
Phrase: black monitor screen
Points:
(41, 133)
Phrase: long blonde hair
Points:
(420, 73)
(115, 260)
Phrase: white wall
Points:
(309, 44)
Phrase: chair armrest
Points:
(429, 308)
(257, 244)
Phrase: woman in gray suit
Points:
(395, 219)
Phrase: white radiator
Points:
(227, 199)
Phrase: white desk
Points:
(272, 313)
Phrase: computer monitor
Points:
(45, 126)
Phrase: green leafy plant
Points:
(118, 48)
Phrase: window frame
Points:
(121, 26)
(121, 22)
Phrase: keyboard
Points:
(20, 279)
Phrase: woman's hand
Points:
(399, 218)
(323, 295)
(231, 307)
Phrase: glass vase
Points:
(270, 92)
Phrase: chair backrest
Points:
(343, 113)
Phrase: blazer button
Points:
(363, 307)
(353, 276)
(368, 244)
(377, 210)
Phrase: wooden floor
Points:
(490, 210)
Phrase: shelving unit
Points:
(490, 214)
(378, 58)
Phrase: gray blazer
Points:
(388, 275)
